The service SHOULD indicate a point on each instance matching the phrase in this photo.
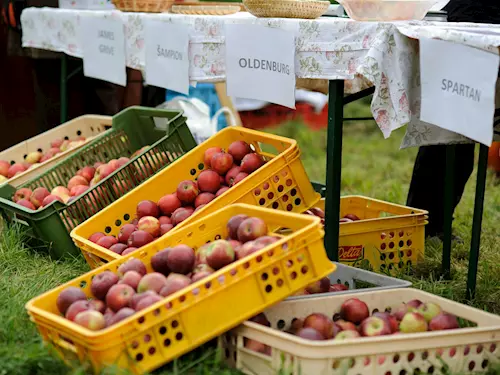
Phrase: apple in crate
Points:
(133, 264)
(169, 203)
(180, 259)
(251, 162)
(187, 191)
(221, 163)
(354, 310)
(147, 208)
(175, 282)
(208, 181)
(375, 326)
(91, 319)
(208, 155)
(238, 150)
(413, 322)
(251, 229)
(149, 224)
(23, 193)
(154, 281)
(321, 323)
(4, 168)
(15, 169)
(102, 282)
(67, 297)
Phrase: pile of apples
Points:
(318, 212)
(355, 321)
(154, 219)
(84, 179)
(34, 158)
(132, 289)
(322, 286)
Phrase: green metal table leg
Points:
(64, 83)
(477, 222)
(449, 197)
(333, 167)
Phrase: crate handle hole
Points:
(167, 342)
(264, 276)
(139, 357)
(269, 288)
(178, 336)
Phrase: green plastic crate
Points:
(165, 131)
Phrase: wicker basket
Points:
(308, 9)
(209, 8)
(316, 85)
(145, 6)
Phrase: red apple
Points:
(15, 169)
(138, 296)
(443, 321)
(147, 208)
(122, 314)
(233, 224)
(102, 282)
(118, 248)
(164, 220)
(119, 296)
(27, 204)
(39, 194)
(91, 319)
(429, 310)
(413, 322)
(310, 334)
(128, 251)
(221, 191)
(68, 296)
(187, 191)
(51, 198)
(400, 311)
(57, 142)
(345, 325)
(251, 229)
(354, 310)
(147, 301)
(87, 173)
(165, 228)
(197, 276)
(240, 177)
(169, 203)
(76, 181)
(132, 264)
(149, 224)
(97, 305)
(4, 168)
(96, 237)
(159, 262)
(351, 217)
(180, 259)
(78, 190)
(231, 175)
(251, 162)
(320, 286)
(102, 172)
(23, 193)
(175, 282)
(208, 181)
(181, 214)
(321, 323)
(414, 304)
(125, 233)
(221, 163)
(107, 241)
(139, 239)
(153, 281)
(392, 321)
(346, 335)
(238, 150)
(77, 307)
(338, 288)
(220, 254)
(203, 199)
(209, 153)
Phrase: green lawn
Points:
(372, 166)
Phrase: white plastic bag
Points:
(198, 116)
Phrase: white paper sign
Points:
(103, 45)
(167, 59)
(260, 63)
(458, 88)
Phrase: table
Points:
(356, 57)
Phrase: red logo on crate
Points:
(350, 253)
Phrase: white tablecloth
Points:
(362, 53)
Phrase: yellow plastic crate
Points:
(388, 237)
(282, 183)
(89, 126)
(463, 351)
(200, 312)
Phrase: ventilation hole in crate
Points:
(226, 352)
(175, 324)
(391, 235)
(281, 188)
(388, 373)
(192, 172)
(134, 345)
(467, 350)
(388, 310)
(276, 179)
(383, 236)
(218, 237)
(391, 266)
(300, 258)
(409, 243)
(201, 166)
(270, 253)
(391, 255)
(256, 192)
(401, 264)
(262, 201)
(147, 338)
(381, 360)
(402, 372)
(167, 342)
(26, 155)
(293, 275)
(453, 351)
(425, 355)
(178, 336)
(208, 285)
(382, 257)
(281, 324)
(391, 245)
(304, 269)
(492, 348)
(139, 357)
(126, 217)
(266, 186)
(233, 272)
(484, 364)
(409, 263)
(221, 279)
(182, 299)
(83, 284)
(298, 201)
(383, 246)
(382, 267)
(264, 276)
(395, 359)
(168, 306)
(289, 207)
(141, 320)
(279, 283)
(285, 246)
(293, 192)
(162, 330)
(269, 288)
(118, 223)
(285, 198)
(152, 350)
(401, 243)
(270, 195)
(196, 291)
(289, 182)
(275, 205)
(276, 270)
(289, 263)
(479, 349)
(259, 259)
(374, 310)
(107, 229)
(409, 253)
(411, 356)
(246, 265)
(472, 364)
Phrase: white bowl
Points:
(387, 10)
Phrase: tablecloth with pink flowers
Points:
(364, 54)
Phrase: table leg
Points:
(477, 222)
(64, 85)
(333, 167)
(449, 198)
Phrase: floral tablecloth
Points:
(362, 53)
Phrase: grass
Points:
(372, 166)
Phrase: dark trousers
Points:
(428, 181)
